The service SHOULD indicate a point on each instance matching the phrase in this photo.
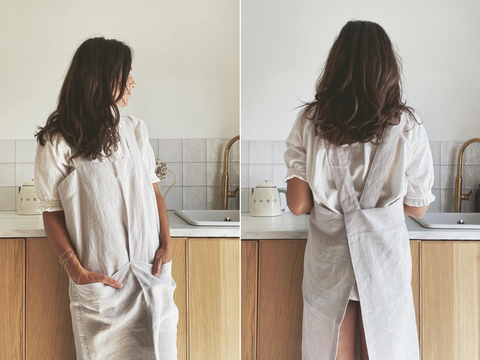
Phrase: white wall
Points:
(186, 62)
(285, 43)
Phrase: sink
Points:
(210, 217)
(449, 220)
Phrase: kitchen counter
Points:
(289, 226)
(13, 225)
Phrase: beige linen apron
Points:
(112, 220)
(370, 245)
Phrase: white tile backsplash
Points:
(186, 157)
(258, 164)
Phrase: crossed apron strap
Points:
(338, 158)
(81, 159)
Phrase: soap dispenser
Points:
(477, 200)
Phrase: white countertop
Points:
(13, 225)
(289, 226)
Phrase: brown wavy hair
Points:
(87, 114)
(359, 91)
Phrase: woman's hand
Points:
(163, 255)
(90, 277)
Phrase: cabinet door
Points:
(249, 299)
(213, 298)
(280, 302)
(450, 300)
(48, 323)
(12, 296)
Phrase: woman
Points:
(103, 216)
(358, 159)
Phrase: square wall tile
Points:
(7, 151)
(174, 199)
(194, 174)
(170, 150)
(178, 169)
(261, 152)
(437, 177)
(7, 174)
(216, 149)
(194, 150)
(449, 152)
(25, 150)
(7, 197)
(195, 198)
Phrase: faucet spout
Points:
(225, 194)
(459, 196)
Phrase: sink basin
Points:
(210, 217)
(450, 221)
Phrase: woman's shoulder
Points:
(57, 147)
(413, 129)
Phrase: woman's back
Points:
(411, 174)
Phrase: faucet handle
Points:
(466, 196)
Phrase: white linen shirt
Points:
(52, 163)
(411, 174)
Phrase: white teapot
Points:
(265, 200)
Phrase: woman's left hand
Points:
(162, 256)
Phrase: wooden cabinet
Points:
(450, 293)
(214, 299)
(34, 302)
(12, 299)
(445, 285)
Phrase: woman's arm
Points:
(299, 196)
(59, 240)
(416, 212)
(165, 252)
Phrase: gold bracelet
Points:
(60, 257)
(64, 262)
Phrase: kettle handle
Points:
(285, 192)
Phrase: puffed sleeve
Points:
(50, 168)
(419, 171)
(295, 155)
(146, 150)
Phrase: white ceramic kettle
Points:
(27, 199)
(265, 200)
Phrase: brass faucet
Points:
(225, 193)
(458, 180)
